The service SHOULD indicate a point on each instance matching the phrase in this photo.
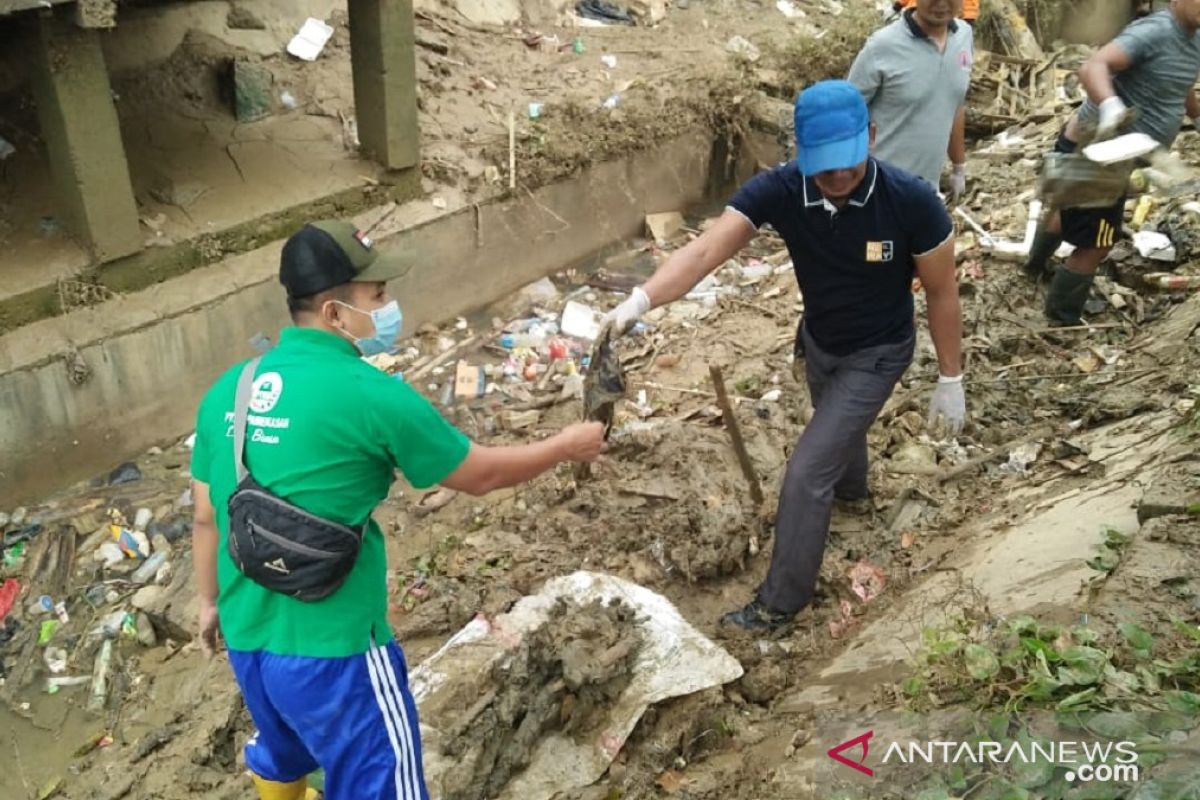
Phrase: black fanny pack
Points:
(276, 544)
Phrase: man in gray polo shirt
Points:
(914, 75)
(1152, 67)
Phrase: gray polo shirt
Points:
(1164, 62)
(913, 91)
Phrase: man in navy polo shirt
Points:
(857, 230)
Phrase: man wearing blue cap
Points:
(857, 231)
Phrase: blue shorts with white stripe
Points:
(354, 717)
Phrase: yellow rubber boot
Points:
(274, 790)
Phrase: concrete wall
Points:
(153, 354)
(1094, 22)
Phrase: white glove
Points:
(626, 315)
(958, 181)
(1112, 114)
(948, 404)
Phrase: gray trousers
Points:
(830, 460)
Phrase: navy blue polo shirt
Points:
(855, 264)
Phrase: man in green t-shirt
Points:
(324, 681)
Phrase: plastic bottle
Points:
(149, 568)
(100, 677)
(41, 605)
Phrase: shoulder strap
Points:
(241, 410)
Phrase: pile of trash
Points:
(504, 378)
(527, 364)
(1019, 101)
(82, 582)
(1162, 233)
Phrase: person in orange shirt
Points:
(968, 10)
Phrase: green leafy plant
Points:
(1023, 663)
(1110, 551)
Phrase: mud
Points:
(560, 678)
(671, 509)
(1156, 582)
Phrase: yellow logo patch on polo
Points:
(879, 251)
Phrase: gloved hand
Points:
(958, 181)
(626, 315)
(1112, 114)
(948, 405)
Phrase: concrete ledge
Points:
(151, 355)
(151, 266)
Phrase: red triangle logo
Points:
(835, 753)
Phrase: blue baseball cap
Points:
(831, 127)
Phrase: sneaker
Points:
(754, 616)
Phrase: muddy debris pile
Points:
(648, 513)
(87, 579)
(562, 678)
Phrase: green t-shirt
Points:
(326, 431)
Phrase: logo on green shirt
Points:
(267, 389)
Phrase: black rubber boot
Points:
(1044, 245)
(1067, 295)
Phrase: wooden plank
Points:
(735, 434)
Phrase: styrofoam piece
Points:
(311, 40)
(1154, 245)
(1121, 148)
(581, 321)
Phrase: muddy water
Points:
(34, 749)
